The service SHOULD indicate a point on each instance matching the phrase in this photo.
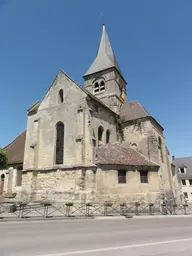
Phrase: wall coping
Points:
(61, 168)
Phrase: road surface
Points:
(134, 237)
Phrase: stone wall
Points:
(85, 185)
(101, 116)
(41, 128)
(59, 185)
(114, 84)
(133, 190)
(144, 136)
(12, 182)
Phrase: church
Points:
(89, 144)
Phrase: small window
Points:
(121, 176)
(100, 133)
(96, 88)
(144, 176)
(185, 194)
(183, 182)
(99, 87)
(102, 86)
(107, 136)
(96, 85)
(61, 96)
(190, 182)
(182, 170)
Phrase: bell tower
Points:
(104, 78)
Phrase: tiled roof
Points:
(121, 154)
(133, 110)
(15, 149)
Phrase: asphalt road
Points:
(134, 237)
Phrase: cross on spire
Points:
(103, 18)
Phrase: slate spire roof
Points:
(105, 57)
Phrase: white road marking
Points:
(117, 248)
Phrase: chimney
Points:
(173, 158)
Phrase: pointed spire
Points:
(105, 57)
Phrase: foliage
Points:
(46, 202)
(108, 203)
(88, 204)
(3, 159)
(119, 126)
(138, 126)
(69, 204)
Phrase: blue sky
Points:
(152, 42)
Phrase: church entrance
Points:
(2, 183)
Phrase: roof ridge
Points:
(14, 139)
(87, 92)
(34, 106)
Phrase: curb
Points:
(43, 219)
(12, 219)
(162, 216)
(109, 217)
(63, 218)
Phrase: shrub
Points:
(3, 159)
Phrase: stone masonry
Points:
(91, 144)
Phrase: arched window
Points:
(102, 86)
(59, 143)
(100, 133)
(99, 87)
(96, 87)
(160, 149)
(107, 136)
(61, 96)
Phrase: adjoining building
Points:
(11, 179)
(183, 177)
(91, 143)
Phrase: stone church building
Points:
(90, 143)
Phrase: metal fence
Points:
(69, 209)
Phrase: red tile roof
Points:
(121, 154)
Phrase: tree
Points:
(3, 159)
